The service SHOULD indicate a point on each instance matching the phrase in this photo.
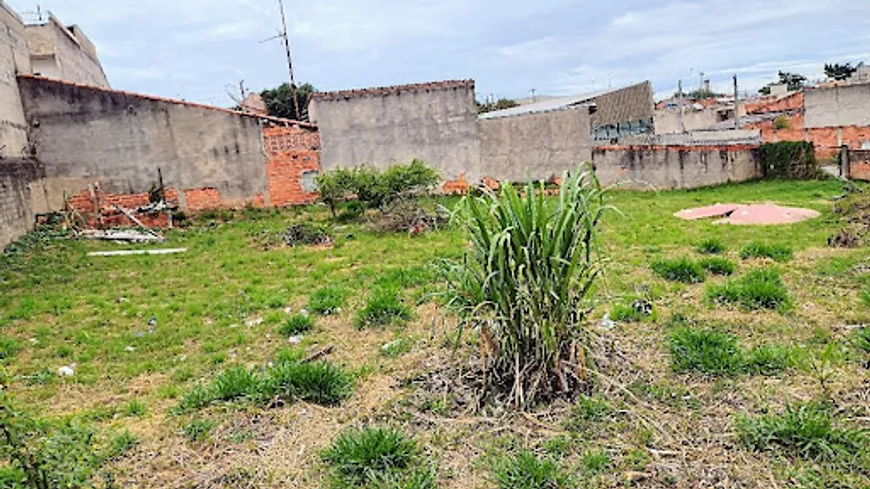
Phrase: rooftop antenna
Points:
(282, 34)
(38, 14)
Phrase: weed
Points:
(383, 308)
(8, 347)
(711, 246)
(234, 383)
(758, 289)
(531, 265)
(808, 431)
(627, 313)
(360, 456)
(757, 249)
(321, 383)
(525, 470)
(862, 339)
(397, 348)
(198, 429)
(135, 408)
(121, 444)
(586, 412)
(767, 360)
(196, 398)
(327, 300)
(672, 396)
(705, 351)
(679, 270)
(295, 325)
(717, 265)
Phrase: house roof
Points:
(550, 105)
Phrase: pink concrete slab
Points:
(717, 210)
(763, 214)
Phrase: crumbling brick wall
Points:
(293, 163)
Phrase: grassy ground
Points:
(142, 332)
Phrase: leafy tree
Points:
(794, 82)
(500, 104)
(840, 72)
(703, 93)
(280, 101)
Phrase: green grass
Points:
(626, 313)
(8, 347)
(587, 413)
(679, 270)
(198, 429)
(385, 307)
(808, 431)
(135, 408)
(526, 470)
(711, 246)
(296, 325)
(327, 300)
(369, 456)
(758, 289)
(862, 339)
(717, 265)
(717, 353)
(777, 252)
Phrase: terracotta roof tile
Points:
(393, 90)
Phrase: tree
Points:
(794, 81)
(280, 101)
(840, 72)
(702, 94)
(500, 104)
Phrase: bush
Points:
(717, 265)
(524, 280)
(327, 300)
(383, 308)
(781, 122)
(525, 470)
(711, 246)
(361, 456)
(375, 189)
(759, 289)
(679, 270)
(788, 159)
(777, 252)
(806, 430)
(296, 325)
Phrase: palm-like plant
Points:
(523, 283)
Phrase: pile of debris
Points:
(300, 234)
(854, 208)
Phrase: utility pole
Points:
(680, 104)
(286, 37)
(736, 105)
(534, 97)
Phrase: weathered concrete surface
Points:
(83, 135)
(847, 105)
(630, 104)
(435, 122)
(17, 189)
(537, 146)
(14, 58)
(64, 54)
(675, 167)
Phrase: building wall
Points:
(85, 135)
(668, 121)
(13, 58)
(535, 145)
(16, 198)
(675, 167)
(630, 104)
(847, 105)
(435, 122)
(65, 54)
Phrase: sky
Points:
(200, 49)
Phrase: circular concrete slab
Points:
(755, 214)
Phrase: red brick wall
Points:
(293, 151)
(98, 208)
(202, 199)
(791, 102)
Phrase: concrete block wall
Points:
(435, 122)
(534, 145)
(64, 54)
(675, 167)
(14, 59)
(837, 106)
(16, 197)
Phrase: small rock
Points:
(305, 312)
(338, 310)
(295, 340)
(288, 310)
(152, 322)
(254, 322)
(130, 349)
(67, 370)
(121, 300)
(34, 341)
(607, 323)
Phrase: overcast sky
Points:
(192, 49)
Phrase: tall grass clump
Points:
(717, 265)
(523, 283)
(327, 300)
(757, 249)
(679, 270)
(758, 289)
(718, 353)
(384, 307)
(526, 470)
(711, 246)
(375, 457)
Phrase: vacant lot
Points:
(750, 370)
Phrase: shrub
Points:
(777, 252)
(781, 122)
(327, 300)
(295, 325)
(717, 265)
(788, 159)
(525, 470)
(711, 246)
(523, 282)
(679, 270)
(705, 351)
(759, 289)
(383, 308)
(361, 456)
(806, 430)
(375, 189)
(335, 187)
